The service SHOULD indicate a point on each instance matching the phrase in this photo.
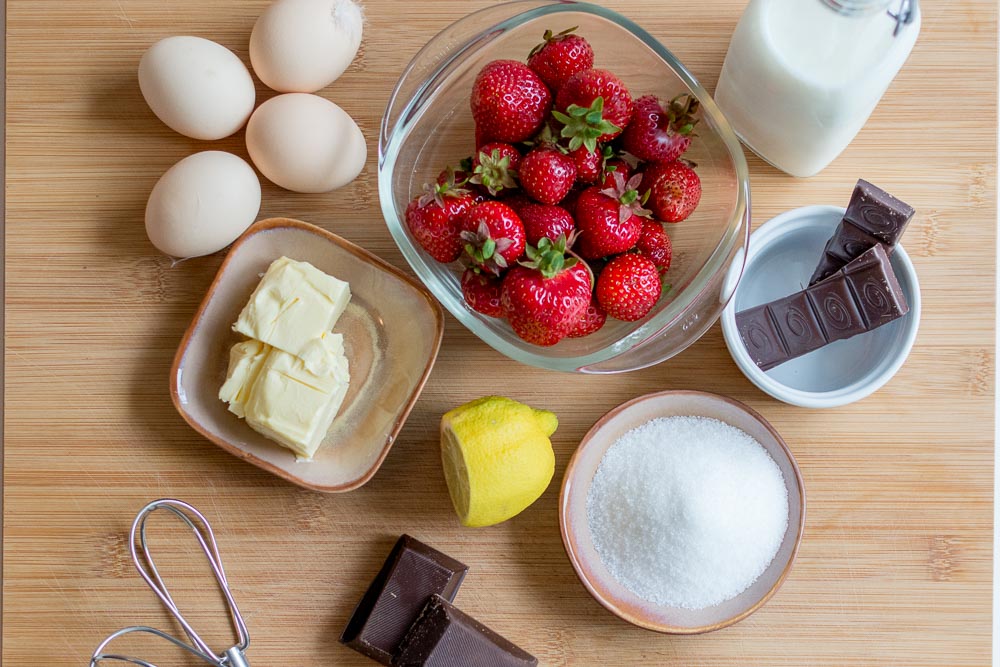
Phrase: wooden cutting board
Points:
(895, 567)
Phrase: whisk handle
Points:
(235, 658)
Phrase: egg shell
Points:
(305, 143)
(197, 87)
(300, 46)
(202, 204)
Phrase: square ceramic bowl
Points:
(781, 258)
(575, 527)
(392, 331)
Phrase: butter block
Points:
(292, 404)
(294, 305)
(245, 361)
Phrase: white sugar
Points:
(687, 511)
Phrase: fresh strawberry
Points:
(544, 298)
(434, 218)
(629, 287)
(509, 102)
(594, 106)
(569, 201)
(493, 235)
(544, 221)
(482, 138)
(495, 166)
(610, 167)
(590, 321)
(661, 133)
(560, 56)
(655, 244)
(609, 220)
(482, 292)
(588, 163)
(547, 174)
(674, 190)
(457, 176)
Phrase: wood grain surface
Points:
(895, 567)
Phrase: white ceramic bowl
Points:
(575, 527)
(782, 255)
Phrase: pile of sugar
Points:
(687, 511)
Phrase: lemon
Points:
(497, 458)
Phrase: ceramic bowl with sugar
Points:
(579, 540)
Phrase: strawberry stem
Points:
(583, 126)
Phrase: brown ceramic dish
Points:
(576, 530)
(392, 331)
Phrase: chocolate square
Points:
(849, 241)
(797, 324)
(827, 267)
(412, 573)
(876, 288)
(877, 212)
(444, 636)
(760, 337)
(833, 303)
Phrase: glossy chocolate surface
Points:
(860, 297)
(444, 636)
(873, 217)
(412, 573)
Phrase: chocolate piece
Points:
(444, 636)
(860, 297)
(873, 216)
(412, 573)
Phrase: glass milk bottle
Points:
(802, 76)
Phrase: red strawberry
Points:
(544, 221)
(609, 220)
(560, 56)
(590, 321)
(674, 190)
(495, 166)
(509, 101)
(610, 167)
(482, 292)
(661, 133)
(655, 244)
(544, 298)
(546, 174)
(593, 106)
(629, 287)
(493, 236)
(569, 201)
(588, 164)
(434, 218)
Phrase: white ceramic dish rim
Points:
(761, 239)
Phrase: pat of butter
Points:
(245, 361)
(292, 404)
(294, 305)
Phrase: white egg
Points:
(197, 87)
(202, 204)
(305, 143)
(300, 46)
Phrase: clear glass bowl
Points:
(428, 125)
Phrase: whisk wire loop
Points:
(146, 566)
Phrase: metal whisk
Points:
(232, 657)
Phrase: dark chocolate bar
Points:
(444, 636)
(412, 573)
(873, 217)
(860, 297)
